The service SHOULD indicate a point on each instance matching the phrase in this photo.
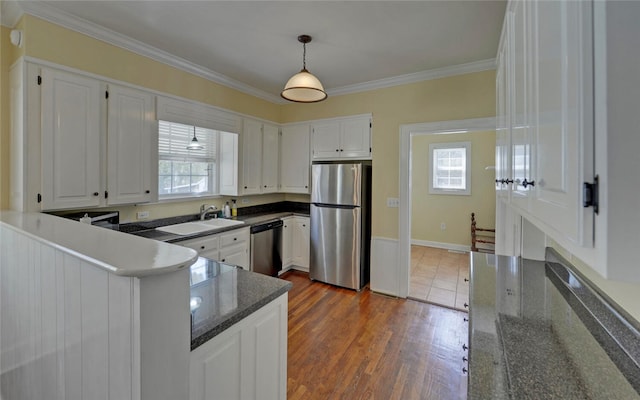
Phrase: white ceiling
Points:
(254, 43)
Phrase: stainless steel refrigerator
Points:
(341, 223)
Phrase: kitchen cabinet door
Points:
(131, 145)
(287, 241)
(564, 117)
(251, 157)
(355, 138)
(294, 159)
(235, 255)
(326, 140)
(70, 140)
(503, 120)
(301, 242)
(270, 150)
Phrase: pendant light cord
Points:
(304, 56)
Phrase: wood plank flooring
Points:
(349, 345)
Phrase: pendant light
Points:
(303, 87)
(194, 145)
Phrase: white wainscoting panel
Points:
(384, 266)
(67, 329)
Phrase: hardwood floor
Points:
(349, 345)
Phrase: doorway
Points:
(407, 135)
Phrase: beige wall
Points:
(452, 98)
(430, 210)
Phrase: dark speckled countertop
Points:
(539, 331)
(222, 295)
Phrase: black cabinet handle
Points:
(465, 319)
(466, 305)
(96, 194)
(466, 279)
(464, 347)
(526, 183)
(464, 359)
(507, 181)
(202, 247)
(464, 370)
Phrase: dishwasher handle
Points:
(266, 226)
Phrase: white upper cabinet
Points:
(563, 127)
(260, 161)
(348, 137)
(270, 151)
(70, 140)
(131, 146)
(294, 159)
(544, 141)
(251, 157)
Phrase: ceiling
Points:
(253, 44)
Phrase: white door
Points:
(294, 159)
(355, 141)
(235, 255)
(270, 150)
(131, 143)
(564, 111)
(251, 156)
(326, 140)
(70, 141)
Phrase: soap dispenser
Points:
(234, 208)
(227, 210)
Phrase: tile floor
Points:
(437, 276)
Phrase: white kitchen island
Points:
(90, 313)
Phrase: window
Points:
(450, 168)
(186, 173)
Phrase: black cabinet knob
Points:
(245, 187)
(96, 194)
(223, 260)
(202, 247)
(464, 347)
(508, 181)
(234, 239)
(464, 359)
(337, 150)
(147, 191)
(466, 279)
(465, 319)
(526, 183)
(464, 370)
(466, 305)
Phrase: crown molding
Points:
(476, 66)
(44, 11)
(12, 11)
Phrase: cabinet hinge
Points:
(590, 194)
(106, 194)
(39, 198)
(106, 94)
(39, 80)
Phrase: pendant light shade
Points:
(194, 145)
(304, 87)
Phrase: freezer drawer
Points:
(336, 246)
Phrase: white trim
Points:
(476, 66)
(404, 184)
(42, 10)
(467, 168)
(441, 245)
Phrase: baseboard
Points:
(440, 245)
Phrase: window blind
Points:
(173, 139)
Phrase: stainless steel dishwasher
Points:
(266, 247)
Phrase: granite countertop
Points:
(538, 330)
(222, 295)
(111, 250)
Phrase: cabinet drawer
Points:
(201, 245)
(233, 237)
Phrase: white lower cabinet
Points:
(295, 243)
(231, 247)
(246, 361)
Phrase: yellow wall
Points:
(452, 98)
(430, 210)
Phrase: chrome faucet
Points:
(204, 210)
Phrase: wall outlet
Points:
(393, 202)
(443, 226)
(142, 214)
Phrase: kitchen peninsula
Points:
(89, 312)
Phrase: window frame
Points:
(213, 178)
(467, 168)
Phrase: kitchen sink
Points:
(191, 228)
